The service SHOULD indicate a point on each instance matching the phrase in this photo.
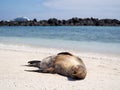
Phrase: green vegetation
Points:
(70, 22)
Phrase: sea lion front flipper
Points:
(65, 53)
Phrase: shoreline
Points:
(37, 49)
(103, 72)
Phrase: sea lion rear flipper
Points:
(49, 70)
(34, 63)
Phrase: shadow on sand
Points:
(40, 71)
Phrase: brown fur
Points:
(64, 63)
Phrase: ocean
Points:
(98, 39)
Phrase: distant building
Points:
(21, 19)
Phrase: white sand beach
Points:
(103, 72)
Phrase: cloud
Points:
(84, 8)
(81, 4)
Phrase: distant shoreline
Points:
(70, 22)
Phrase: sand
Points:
(103, 72)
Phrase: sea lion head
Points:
(79, 72)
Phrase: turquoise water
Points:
(81, 38)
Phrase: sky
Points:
(61, 9)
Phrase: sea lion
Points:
(63, 63)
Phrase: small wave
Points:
(17, 47)
(27, 48)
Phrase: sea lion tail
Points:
(34, 63)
